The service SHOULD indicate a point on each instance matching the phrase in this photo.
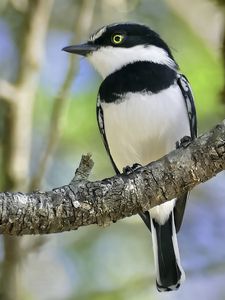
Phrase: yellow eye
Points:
(117, 38)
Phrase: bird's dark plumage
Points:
(147, 79)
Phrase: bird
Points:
(145, 108)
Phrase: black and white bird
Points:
(144, 107)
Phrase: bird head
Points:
(116, 45)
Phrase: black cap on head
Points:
(133, 34)
(125, 35)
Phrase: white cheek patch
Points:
(108, 59)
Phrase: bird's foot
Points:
(131, 169)
(184, 142)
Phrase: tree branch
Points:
(83, 202)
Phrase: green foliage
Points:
(80, 132)
(79, 120)
(203, 69)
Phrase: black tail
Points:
(166, 253)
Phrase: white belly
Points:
(145, 127)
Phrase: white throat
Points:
(107, 60)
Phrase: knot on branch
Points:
(83, 171)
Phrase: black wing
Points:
(190, 105)
(189, 101)
(101, 125)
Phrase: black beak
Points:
(82, 49)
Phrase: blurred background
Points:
(47, 120)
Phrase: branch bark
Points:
(83, 202)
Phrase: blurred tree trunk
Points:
(81, 27)
(17, 101)
(18, 127)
